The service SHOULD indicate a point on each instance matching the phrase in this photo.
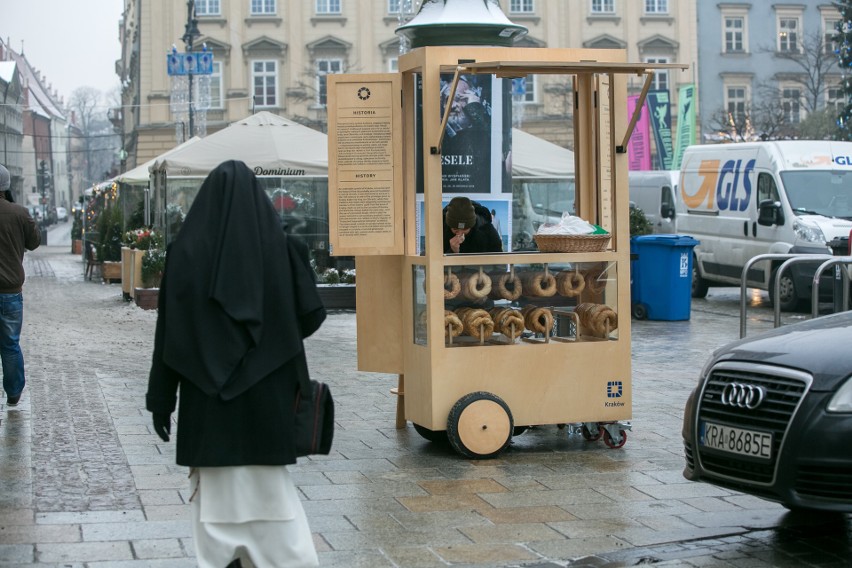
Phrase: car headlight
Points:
(809, 233)
(842, 399)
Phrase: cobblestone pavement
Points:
(84, 481)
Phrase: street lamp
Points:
(182, 67)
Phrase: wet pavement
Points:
(84, 481)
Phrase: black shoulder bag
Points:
(314, 418)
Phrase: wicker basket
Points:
(571, 243)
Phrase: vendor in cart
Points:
(468, 228)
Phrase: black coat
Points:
(483, 237)
(244, 416)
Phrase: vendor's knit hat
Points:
(5, 178)
(460, 213)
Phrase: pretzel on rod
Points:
(507, 321)
(452, 325)
(476, 286)
(570, 283)
(476, 322)
(539, 283)
(505, 286)
(538, 319)
(599, 319)
(452, 285)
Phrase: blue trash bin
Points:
(661, 276)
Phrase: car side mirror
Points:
(769, 213)
(667, 212)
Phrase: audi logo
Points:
(742, 396)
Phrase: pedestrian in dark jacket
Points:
(18, 232)
(236, 300)
(468, 228)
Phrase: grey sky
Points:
(74, 43)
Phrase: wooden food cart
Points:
(557, 351)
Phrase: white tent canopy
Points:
(272, 145)
(269, 144)
(534, 157)
(140, 174)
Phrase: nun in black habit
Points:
(237, 298)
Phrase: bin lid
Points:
(666, 240)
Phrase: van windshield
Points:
(552, 199)
(819, 192)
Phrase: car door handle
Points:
(745, 228)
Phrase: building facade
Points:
(274, 55)
(40, 170)
(12, 123)
(759, 57)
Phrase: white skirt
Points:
(252, 513)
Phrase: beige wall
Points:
(297, 36)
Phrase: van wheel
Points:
(699, 284)
(788, 299)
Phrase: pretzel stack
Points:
(597, 319)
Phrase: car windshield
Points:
(820, 192)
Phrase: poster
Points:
(476, 148)
(639, 147)
(661, 124)
(365, 184)
(685, 122)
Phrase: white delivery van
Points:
(742, 200)
(654, 193)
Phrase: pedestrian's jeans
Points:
(11, 320)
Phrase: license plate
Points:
(736, 440)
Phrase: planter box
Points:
(111, 271)
(337, 296)
(131, 271)
(77, 246)
(146, 298)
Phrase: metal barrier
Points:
(788, 259)
(799, 258)
(837, 260)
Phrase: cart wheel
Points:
(591, 436)
(639, 311)
(480, 425)
(436, 436)
(614, 443)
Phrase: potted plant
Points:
(77, 232)
(153, 265)
(135, 243)
(639, 223)
(110, 233)
(336, 288)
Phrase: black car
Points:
(772, 416)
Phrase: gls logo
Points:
(729, 186)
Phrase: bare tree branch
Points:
(815, 61)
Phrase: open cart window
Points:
(495, 153)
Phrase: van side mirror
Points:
(667, 212)
(769, 213)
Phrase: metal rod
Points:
(818, 274)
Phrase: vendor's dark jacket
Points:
(252, 428)
(482, 238)
(18, 232)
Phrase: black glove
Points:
(162, 425)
